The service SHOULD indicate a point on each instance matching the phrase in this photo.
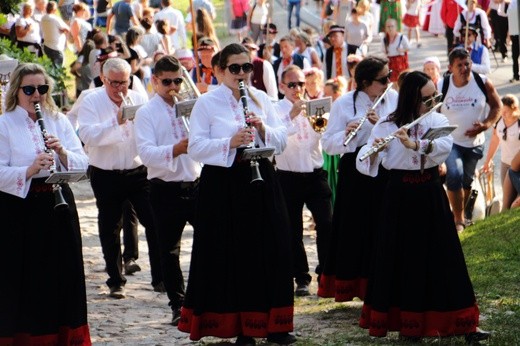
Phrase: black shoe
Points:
(117, 292)
(410, 339)
(176, 316)
(159, 287)
(131, 267)
(477, 336)
(281, 338)
(302, 290)
(245, 341)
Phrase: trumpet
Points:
(127, 100)
(317, 121)
(188, 90)
(354, 132)
(378, 146)
(59, 201)
(185, 119)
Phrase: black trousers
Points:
(173, 204)
(130, 236)
(501, 26)
(449, 38)
(313, 190)
(515, 50)
(111, 189)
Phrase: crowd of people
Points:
(405, 143)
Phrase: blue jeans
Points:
(461, 164)
(515, 179)
(297, 7)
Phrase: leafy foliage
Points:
(57, 73)
(9, 6)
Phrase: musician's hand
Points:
(402, 134)
(257, 123)
(180, 148)
(351, 126)
(298, 107)
(372, 116)
(42, 161)
(242, 137)
(120, 119)
(54, 143)
(477, 128)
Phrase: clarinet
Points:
(59, 201)
(255, 171)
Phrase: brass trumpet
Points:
(317, 121)
(177, 97)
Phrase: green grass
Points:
(492, 252)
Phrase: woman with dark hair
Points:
(240, 280)
(345, 272)
(43, 298)
(419, 284)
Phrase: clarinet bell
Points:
(255, 173)
(59, 201)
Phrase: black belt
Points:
(117, 171)
(301, 174)
(182, 185)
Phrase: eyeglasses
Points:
(385, 79)
(235, 68)
(30, 89)
(116, 83)
(430, 101)
(167, 81)
(293, 85)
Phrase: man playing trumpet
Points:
(301, 175)
(162, 143)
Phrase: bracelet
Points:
(417, 145)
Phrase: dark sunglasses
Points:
(431, 101)
(235, 68)
(30, 89)
(167, 81)
(385, 79)
(293, 85)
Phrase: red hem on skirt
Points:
(411, 21)
(420, 324)
(231, 324)
(341, 290)
(66, 336)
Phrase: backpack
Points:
(478, 79)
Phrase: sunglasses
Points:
(385, 79)
(235, 68)
(293, 85)
(167, 81)
(30, 89)
(116, 83)
(431, 101)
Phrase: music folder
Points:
(66, 177)
(257, 153)
(324, 104)
(183, 108)
(437, 132)
(129, 111)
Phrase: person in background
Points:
(185, 57)
(506, 136)
(303, 180)
(296, 6)
(151, 40)
(39, 306)
(514, 35)
(65, 7)
(363, 12)
(122, 14)
(139, 6)
(345, 273)
(206, 49)
(466, 105)
(163, 28)
(263, 77)
(390, 9)
(335, 63)
(416, 273)
(432, 67)
(270, 49)
(102, 7)
(40, 9)
(475, 16)
(176, 21)
(205, 4)
(162, 143)
(257, 19)
(79, 26)
(28, 31)
(411, 20)
(313, 83)
(512, 181)
(450, 10)
(253, 297)
(335, 87)
(500, 27)
(304, 47)
(205, 28)
(478, 52)
(357, 34)
(395, 46)
(54, 32)
(288, 58)
(239, 18)
(116, 170)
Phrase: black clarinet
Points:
(255, 171)
(60, 202)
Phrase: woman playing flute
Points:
(419, 285)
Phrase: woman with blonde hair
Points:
(304, 47)
(335, 87)
(79, 26)
(205, 27)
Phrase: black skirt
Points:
(240, 279)
(356, 210)
(420, 284)
(42, 296)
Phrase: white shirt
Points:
(344, 67)
(21, 141)
(303, 152)
(512, 18)
(110, 145)
(157, 130)
(342, 113)
(511, 145)
(175, 18)
(486, 28)
(397, 156)
(33, 36)
(400, 42)
(217, 116)
(51, 32)
(463, 107)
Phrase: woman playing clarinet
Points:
(345, 272)
(42, 298)
(240, 280)
(419, 285)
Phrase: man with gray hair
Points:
(116, 171)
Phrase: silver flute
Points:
(354, 132)
(378, 146)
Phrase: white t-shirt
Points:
(33, 36)
(51, 32)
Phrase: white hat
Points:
(433, 59)
(183, 54)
